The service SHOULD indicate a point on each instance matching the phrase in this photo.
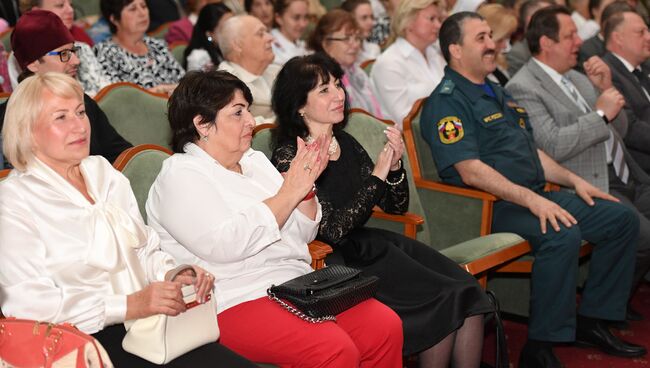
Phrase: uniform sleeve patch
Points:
(447, 87)
(450, 130)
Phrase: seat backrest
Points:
(4, 173)
(178, 49)
(4, 96)
(422, 162)
(452, 218)
(160, 32)
(86, 8)
(262, 140)
(141, 165)
(5, 38)
(138, 115)
(369, 131)
(367, 65)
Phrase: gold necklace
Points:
(334, 144)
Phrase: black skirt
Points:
(431, 293)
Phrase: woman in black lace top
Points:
(440, 304)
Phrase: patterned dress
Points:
(157, 67)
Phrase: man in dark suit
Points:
(581, 126)
(628, 42)
(595, 46)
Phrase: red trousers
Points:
(367, 335)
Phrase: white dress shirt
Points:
(260, 86)
(285, 49)
(587, 28)
(67, 260)
(208, 215)
(630, 68)
(402, 75)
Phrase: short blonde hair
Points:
(23, 110)
(501, 20)
(405, 14)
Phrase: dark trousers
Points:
(636, 196)
(611, 227)
(209, 355)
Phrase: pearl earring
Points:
(209, 38)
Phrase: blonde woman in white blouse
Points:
(74, 246)
(412, 66)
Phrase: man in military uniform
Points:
(494, 151)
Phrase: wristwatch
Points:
(601, 113)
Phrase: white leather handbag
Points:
(161, 338)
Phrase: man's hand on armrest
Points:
(479, 175)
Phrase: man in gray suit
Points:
(628, 41)
(519, 54)
(579, 126)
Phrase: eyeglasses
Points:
(65, 55)
(346, 39)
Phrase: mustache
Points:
(489, 52)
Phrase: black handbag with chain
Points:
(320, 295)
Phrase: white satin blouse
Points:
(208, 215)
(63, 259)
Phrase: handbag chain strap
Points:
(299, 313)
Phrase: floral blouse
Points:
(90, 74)
(157, 67)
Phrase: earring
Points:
(204, 138)
(209, 38)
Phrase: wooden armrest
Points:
(551, 187)
(452, 189)
(319, 251)
(405, 218)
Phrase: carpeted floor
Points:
(573, 357)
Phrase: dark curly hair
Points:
(300, 75)
(200, 94)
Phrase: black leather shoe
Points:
(538, 357)
(619, 325)
(600, 337)
(632, 314)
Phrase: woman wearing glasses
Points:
(338, 35)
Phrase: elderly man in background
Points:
(41, 44)
(628, 44)
(245, 43)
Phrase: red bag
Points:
(32, 344)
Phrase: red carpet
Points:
(573, 357)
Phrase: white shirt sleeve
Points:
(389, 78)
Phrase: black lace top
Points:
(347, 191)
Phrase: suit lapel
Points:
(551, 87)
(621, 69)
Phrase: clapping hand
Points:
(397, 144)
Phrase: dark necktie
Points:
(643, 79)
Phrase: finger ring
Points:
(306, 167)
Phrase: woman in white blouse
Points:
(222, 205)
(74, 246)
(412, 66)
(291, 20)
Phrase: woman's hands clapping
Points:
(306, 166)
(388, 159)
(165, 297)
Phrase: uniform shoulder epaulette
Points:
(447, 87)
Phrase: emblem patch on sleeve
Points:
(450, 130)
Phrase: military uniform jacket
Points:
(461, 121)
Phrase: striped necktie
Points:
(573, 92)
(612, 145)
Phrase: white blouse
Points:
(402, 75)
(64, 259)
(260, 86)
(285, 49)
(208, 215)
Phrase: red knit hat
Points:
(38, 32)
